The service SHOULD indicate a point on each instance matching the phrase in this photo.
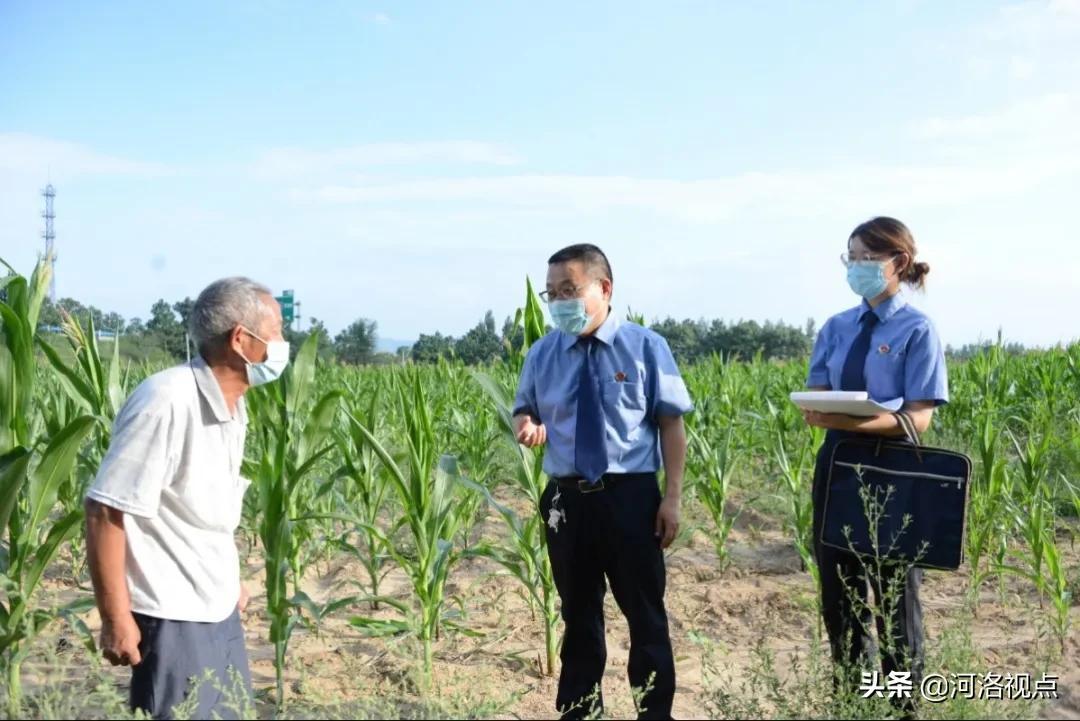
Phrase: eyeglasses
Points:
(849, 260)
(566, 292)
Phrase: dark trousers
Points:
(848, 618)
(176, 655)
(610, 533)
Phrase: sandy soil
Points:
(763, 596)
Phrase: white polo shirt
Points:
(173, 468)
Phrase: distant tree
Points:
(481, 344)
(317, 328)
(683, 337)
(429, 348)
(74, 308)
(135, 326)
(50, 314)
(383, 358)
(162, 318)
(691, 340)
(166, 330)
(513, 336)
(113, 322)
(98, 317)
(356, 344)
(183, 309)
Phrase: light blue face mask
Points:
(277, 357)
(867, 277)
(569, 316)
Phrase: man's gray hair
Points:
(223, 305)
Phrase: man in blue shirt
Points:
(607, 398)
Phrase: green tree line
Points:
(163, 332)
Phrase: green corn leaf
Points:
(56, 465)
(379, 627)
(13, 466)
(70, 380)
(115, 388)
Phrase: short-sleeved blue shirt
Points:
(639, 382)
(906, 361)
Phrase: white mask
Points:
(277, 358)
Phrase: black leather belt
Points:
(577, 483)
(582, 485)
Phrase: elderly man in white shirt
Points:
(162, 512)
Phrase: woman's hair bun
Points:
(917, 273)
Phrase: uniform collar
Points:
(885, 310)
(605, 333)
(210, 390)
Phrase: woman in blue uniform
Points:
(891, 350)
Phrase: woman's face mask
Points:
(867, 277)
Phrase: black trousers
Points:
(848, 617)
(610, 533)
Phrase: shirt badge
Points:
(620, 377)
(883, 348)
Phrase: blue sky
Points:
(412, 162)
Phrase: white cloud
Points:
(1029, 42)
(1021, 68)
(1054, 117)
(956, 159)
(794, 193)
(22, 154)
(381, 19)
(285, 163)
(1036, 19)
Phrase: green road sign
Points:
(288, 310)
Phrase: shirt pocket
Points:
(624, 405)
(887, 375)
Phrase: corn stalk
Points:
(426, 488)
(31, 472)
(525, 556)
(294, 432)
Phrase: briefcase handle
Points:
(908, 425)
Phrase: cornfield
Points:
(393, 506)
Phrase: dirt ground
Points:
(763, 596)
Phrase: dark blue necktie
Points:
(853, 375)
(590, 435)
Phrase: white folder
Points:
(851, 403)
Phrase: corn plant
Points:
(530, 320)
(86, 388)
(796, 472)
(1055, 584)
(525, 555)
(1074, 496)
(991, 488)
(1032, 508)
(475, 444)
(713, 467)
(31, 472)
(427, 491)
(363, 486)
(293, 432)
